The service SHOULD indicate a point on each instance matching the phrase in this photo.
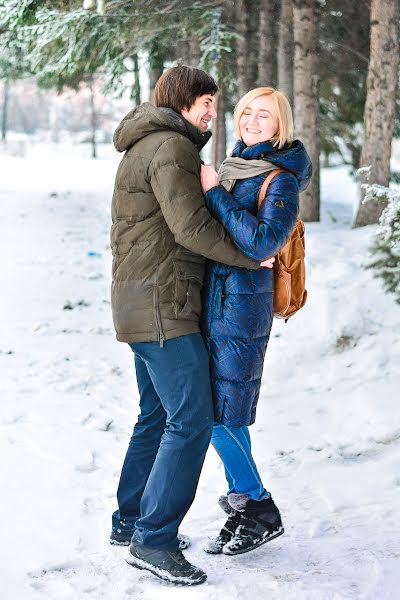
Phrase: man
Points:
(160, 234)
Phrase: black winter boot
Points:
(215, 545)
(166, 564)
(259, 523)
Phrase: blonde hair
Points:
(285, 118)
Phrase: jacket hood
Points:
(146, 119)
(292, 157)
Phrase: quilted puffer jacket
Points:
(238, 303)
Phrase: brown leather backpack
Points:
(289, 269)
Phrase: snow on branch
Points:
(385, 247)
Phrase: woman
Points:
(238, 303)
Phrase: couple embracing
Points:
(192, 295)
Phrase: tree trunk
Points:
(136, 94)
(194, 52)
(182, 52)
(156, 67)
(4, 120)
(188, 52)
(219, 131)
(285, 50)
(54, 124)
(241, 19)
(266, 50)
(380, 105)
(252, 42)
(306, 97)
(93, 121)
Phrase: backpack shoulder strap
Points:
(263, 189)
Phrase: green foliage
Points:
(73, 46)
(395, 177)
(13, 62)
(385, 248)
(65, 44)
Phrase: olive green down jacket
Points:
(161, 229)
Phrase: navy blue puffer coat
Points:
(238, 303)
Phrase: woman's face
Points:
(259, 121)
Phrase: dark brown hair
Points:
(179, 87)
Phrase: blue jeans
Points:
(166, 452)
(234, 448)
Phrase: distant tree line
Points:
(337, 61)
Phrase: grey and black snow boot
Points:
(259, 523)
(123, 539)
(166, 564)
(215, 545)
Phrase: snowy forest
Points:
(328, 430)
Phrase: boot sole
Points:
(114, 542)
(162, 574)
(254, 546)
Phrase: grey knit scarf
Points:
(234, 168)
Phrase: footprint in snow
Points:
(55, 568)
(88, 467)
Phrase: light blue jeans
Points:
(234, 448)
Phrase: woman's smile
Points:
(259, 121)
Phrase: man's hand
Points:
(269, 262)
(208, 178)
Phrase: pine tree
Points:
(286, 50)
(385, 248)
(380, 105)
(266, 53)
(13, 64)
(306, 97)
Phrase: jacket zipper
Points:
(158, 317)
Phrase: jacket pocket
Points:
(188, 283)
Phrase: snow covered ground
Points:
(326, 439)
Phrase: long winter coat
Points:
(161, 228)
(238, 303)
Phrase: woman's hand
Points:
(208, 178)
(268, 262)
